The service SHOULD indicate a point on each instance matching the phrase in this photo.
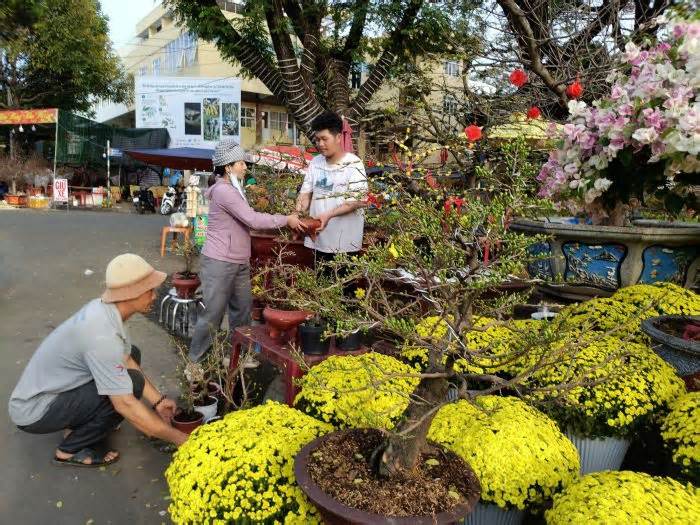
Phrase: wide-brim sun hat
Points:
(128, 276)
(227, 152)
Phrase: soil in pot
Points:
(186, 421)
(681, 328)
(341, 467)
(311, 339)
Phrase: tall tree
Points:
(56, 53)
(303, 50)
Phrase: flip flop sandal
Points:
(77, 460)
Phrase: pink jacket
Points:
(230, 220)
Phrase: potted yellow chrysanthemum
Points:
(615, 389)
(499, 435)
(625, 497)
(681, 433)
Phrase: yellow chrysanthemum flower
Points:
(624, 498)
(681, 432)
(519, 455)
(240, 469)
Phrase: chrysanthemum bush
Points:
(623, 313)
(519, 454)
(241, 469)
(503, 347)
(368, 390)
(617, 387)
(643, 137)
(681, 432)
(623, 498)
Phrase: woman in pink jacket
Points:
(225, 262)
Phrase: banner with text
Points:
(197, 112)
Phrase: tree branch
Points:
(524, 31)
(386, 60)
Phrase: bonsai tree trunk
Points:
(403, 448)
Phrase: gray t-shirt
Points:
(91, 345)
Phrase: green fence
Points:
(82, 141)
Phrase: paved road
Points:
(43, 258)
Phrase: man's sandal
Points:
(78, 459)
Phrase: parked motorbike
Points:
(144, 201)
(169, 202)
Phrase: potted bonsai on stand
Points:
(187, 281)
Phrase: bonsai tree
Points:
(640, 143)
(432, 282)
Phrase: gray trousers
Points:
(223, 284)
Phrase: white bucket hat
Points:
(128, 276)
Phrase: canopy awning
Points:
(175, 158)
(289, 158)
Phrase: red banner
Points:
(28, 116)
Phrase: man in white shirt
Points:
(334, 191)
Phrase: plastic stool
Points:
(175, 230)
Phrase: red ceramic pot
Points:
(281, 323)
(311, 226)
(187, 422)
(16, 200)
(185, 286)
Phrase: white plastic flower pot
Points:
(490, 514)
(600, 453)
(208, 411)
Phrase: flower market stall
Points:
(453, 406)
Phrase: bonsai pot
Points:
(334, 512)
(598, 454)
(597, 260)
(311, 226)
(350, 342)
(283, 322)
(187, 421)
(186, 284)
(666, 333)
(311, 339)
(208, 410)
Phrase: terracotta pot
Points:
(336, 513)
(281, 323)
(187, 426)
(185, 287)
(16, 200)
(265, 248)
(311, 226)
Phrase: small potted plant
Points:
(281, 314)
(313, 337)
(187, 281)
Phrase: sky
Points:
(123, 16)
